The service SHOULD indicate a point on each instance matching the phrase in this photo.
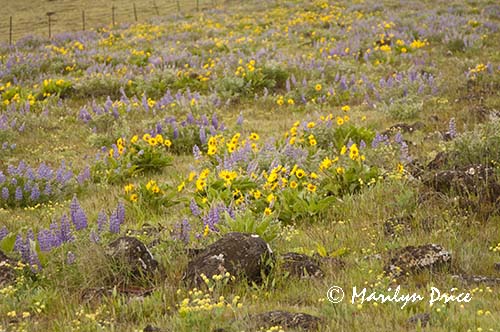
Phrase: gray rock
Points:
(423, 318)
(7, 272)
(300, 265)
(412, 259)
(477, 279)
(242, 255)
(288, 320)
(134, 254)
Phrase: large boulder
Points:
(300, 265)
(7, 272)
(242, 255)
(288, 320)
(134, 254)
(412, 259)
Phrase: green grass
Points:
(59, 297)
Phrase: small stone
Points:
(477, 279)
(133, 253)
(7, 272)
(412, 259)
(301, 266)
(423, 318)
(288, 320)
(241, 255)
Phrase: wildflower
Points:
(167, 143)
(152, 141)
(325, 164)
(311, 187)
(181, 186)
(353, 152)
(159, 138)
(146, 137)
(293, 184)
(318, 87)
(340, 121)
(267, 211)
(290, 101)
(257, 194)
(343, 150)
(400, 168)
(311, 125)
(300, 173)
(129, 188)
(346, 108)
(134, 197)
(134, 139)
(340, 170)
(200, 184)
(254, 137)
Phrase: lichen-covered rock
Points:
(242, 255)
(478, 180)
(7, 272)
(300, 265)
(477, 279)
(413, 259)
(423, 318)
(288, 320)
(134, 254)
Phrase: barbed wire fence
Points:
(73, 19)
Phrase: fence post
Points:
(178, 6)
(49, 15)
(83, 20)
(113, 14)
(10, 31)
(155, 6)
(135, 12)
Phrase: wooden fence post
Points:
(83, 20)
(113, 14)
(10, 30)
(49, 15)
(135, 12)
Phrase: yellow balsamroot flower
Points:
(159, 138)
(353, 152)
(340, 170)
(313, 142)
(346, 118)
(134, 198)
(340, 121)
(257, 194)
(325, 164)
(346, 108)
(206, 231)
(191, 176)
(119, 142)
(150, 184)
(267, 211)
(146, 137)
(311, 187)
(200, 185)
(181, 186)
(313, 175)
(343, 150)
(318, 87)
(231, 147)
(153, 142)
(227, 176)
(311, 125)
(290, 101)
(400, 168)
(280, 101)
(204, 173)
(211, 150)
(271, 198)
(121, 149)
(254, 137)
(293, 184)
(111, 152)
(300, 173)
(129, 188)
(272, 177)
(167, 143)
(134, 139)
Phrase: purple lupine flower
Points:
(102, 220)
(84, 115)
(215, 122)
(239, 121)
(19, 194)
(48, 189)
(45, 240)
(120, 212)
(182, 230)
(77, 214)
(203, 135)
(95, 237)
(195, 210)
(2, 177)
(5, 193)
(65, 230)
(405, 155)
(3, 232)
(398, 138)
(35, 193)
(362, 144)
(175, 134)
(196, 152)
(114, 223)
(70, 258)
(34, 261)
(55, 235)
(212, 218)
(190, 118)
(452, 129)
(84, 175)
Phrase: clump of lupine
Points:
(22, 186)
(34, 249)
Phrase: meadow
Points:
(363, 136)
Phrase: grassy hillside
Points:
(345, 131)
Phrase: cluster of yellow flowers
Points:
(154, 141)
